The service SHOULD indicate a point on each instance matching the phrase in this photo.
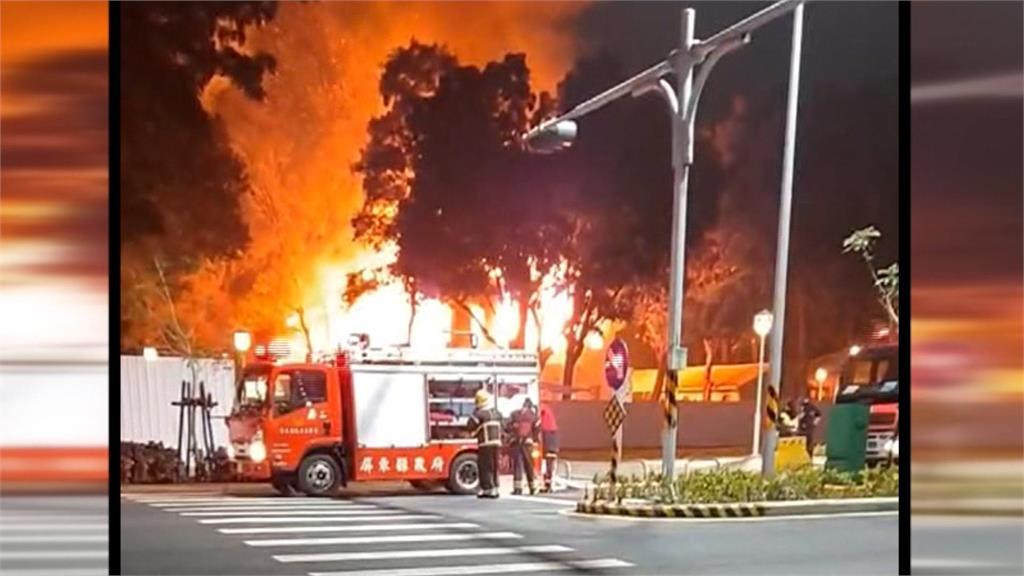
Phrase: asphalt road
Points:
(404, 532)
(943, 545)
(64, 535)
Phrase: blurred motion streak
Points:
(967, 295)
(1001, 86)
(53, 245)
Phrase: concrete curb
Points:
(740, 510)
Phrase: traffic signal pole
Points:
(691, 65)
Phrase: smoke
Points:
(299, 144)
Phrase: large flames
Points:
(298, 146)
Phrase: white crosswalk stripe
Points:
(351, 528)
(392, 515)
(383, 539)
(440, 553)
(262, 508)
(486, 568)
(53, 535)
(353, 511)
(361, 538)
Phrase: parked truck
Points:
(380, 414)
(871, 376)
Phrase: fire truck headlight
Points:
(231, 451)
(535, 454)
(893, 447)
(258, 451)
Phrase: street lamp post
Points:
(782, 247)
(762, 326)
(690, 64)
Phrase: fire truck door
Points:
(300, 412)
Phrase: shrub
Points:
(726, 486)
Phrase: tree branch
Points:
(472, 316)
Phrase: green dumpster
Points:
(846, 437)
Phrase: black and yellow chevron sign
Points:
(614, 414)
(771, 408)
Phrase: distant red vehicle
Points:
(872, 376)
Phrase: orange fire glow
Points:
(297, 147)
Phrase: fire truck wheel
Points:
(464, 477)
(319, 475)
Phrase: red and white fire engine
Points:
(380, 414)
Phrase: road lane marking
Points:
(384, 539)
(227, 507)
(402, 554)
(356, 528)
(544, 499)
(53, 555)
(69, 539)
(52, 527)
(949, 564)
(354, 511)
(487, 568)
(268, 505)
(61, 571)
(275, 520)
(238, 501)
(11, 519)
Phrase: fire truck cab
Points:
(381, 414)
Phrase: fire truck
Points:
(871, 376)
(381, 414)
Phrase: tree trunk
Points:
(305, 334)
(659, 379)
(709, 356)
(413, 308)
(519, 342)
(572, 355)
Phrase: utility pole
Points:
(690, 63)
(782, 249)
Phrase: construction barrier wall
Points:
(149, 387)
(701, 425)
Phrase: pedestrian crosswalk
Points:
(53, 535)
(334, 537)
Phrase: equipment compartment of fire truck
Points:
(372, 414)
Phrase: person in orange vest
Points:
(549, 438)
(523, 432)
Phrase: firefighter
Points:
(486, 426)
(808, 421)
(523, 432)
(549, 437)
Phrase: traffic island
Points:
(725, 493)
(739, 510)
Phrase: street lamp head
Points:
(551, 137)
(820, 375)
(242, 341)
(763, 321)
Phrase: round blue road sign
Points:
(616, 363)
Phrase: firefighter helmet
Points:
(482, 398)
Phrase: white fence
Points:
(149, 387)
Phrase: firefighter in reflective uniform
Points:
(486, 426)
(523, 431)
